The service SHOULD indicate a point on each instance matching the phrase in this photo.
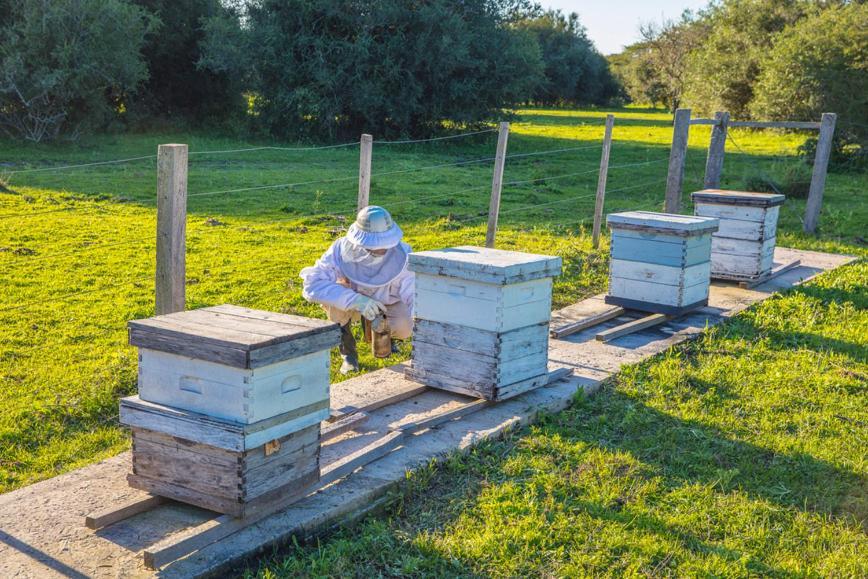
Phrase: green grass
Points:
(740, 454)
(77, 246)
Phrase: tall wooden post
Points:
(171, 228)
(818, 178)
(677, 155)
(497, 184)
(601, 180)
(716, 149)
(366, 146)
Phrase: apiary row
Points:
(231, 399)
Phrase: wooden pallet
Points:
(747, 283)
(646, 321)
(211, 531)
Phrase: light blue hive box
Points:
(661, 262)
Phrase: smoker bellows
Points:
(229, 406)
(482, 320)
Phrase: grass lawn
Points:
(77, 259)
(740, 454)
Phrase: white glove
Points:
(368, 307)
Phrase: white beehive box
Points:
(743, 248)
(237, 364)
(482, 320)
(660, 262)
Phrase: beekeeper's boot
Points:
(348, 351)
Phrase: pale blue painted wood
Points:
(694, 241)
(659, 252)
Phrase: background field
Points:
(77, 262)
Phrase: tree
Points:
(177, 85)
(575, 72)
(820, 65)
(634, 68)
(388, 66)
(69, 64)
(667, 47)
(723, 68)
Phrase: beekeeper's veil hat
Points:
(374, 229)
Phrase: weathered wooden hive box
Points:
(482, 317)
(743, 248)
(660, 262)
(229, 406)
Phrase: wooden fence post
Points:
(496, 184)
(818, 178)
(601, 180)
(366, 146)
(675, 176)
(716, 149)
(171, 228)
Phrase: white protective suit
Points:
(344, 271)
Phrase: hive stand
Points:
(340, 421)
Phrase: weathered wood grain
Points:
(197, 427)
(600, 198)
(111, 515)
(171, 279)
(496, 184)
(677, 155)
(716, 150)
(485, 265)
(366, 151)
(818, 176)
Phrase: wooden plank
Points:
(662, 274)
(288, 319)
(220, 504)
(588, 322)
(772, 274)
(632, 327)
(716, 150)
(171, 228)
(109, 516)
(210, 532)
(677, 155)
(197, 472)
(366, 149)
(703, 121)
(601, 180)
(347, 464)
(204, 429)
(449, 384)
(331, 429)
(443, 417)
(818, 177)
(497, 184)
(776, 124)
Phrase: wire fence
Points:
(269, 215)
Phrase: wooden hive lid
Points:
(234, 336)
(485, 264)
(738, 198)
(667, 223)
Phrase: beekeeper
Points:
(364, 274)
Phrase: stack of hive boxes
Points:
(229, 406)
(743, 248)
(482, 317)
(660, 262)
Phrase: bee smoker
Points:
(379, 334)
